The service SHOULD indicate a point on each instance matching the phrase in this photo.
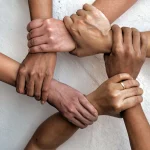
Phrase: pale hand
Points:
(49, 35)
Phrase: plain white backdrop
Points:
(21, 115)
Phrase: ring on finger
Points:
(122, 84)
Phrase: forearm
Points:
(138, 128)
(8, 70)
(53, 132)
(113, 9)
(40, 9)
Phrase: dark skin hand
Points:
(128, 52)
(35, 73)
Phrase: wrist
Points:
(108, 44)
(93, 100)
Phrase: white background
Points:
(21, 115)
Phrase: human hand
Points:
(49, 35)
(111, 98)
(128, 52)
(90, 30)
(35, 74)
(72, 104)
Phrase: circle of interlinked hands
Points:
(86, 33)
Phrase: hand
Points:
(90, 30)
(49, 35)
(111, 98)
(128, 52)
(35, 74)
(72, 104)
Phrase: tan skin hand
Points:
(49, 35)
(90, 30)
(72, 104)
(111, 99)
(35, 74)
(128, 52)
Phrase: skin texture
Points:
(130, 45)
(33, 67)
(73, 105)
(80, 27)
(129, 48)
(106, 97)
(56, 130)
(36, 72)
(45, 37)
(106, 103)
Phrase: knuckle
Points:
(23, 70)
(45, 89)
(118, 48)
(40, 75)
(114, 95)
(87, 17)
(117, 107)
(71, 109)
(47, 21)
(32, 73)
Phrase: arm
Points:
(40, 9)
(56, 130)
(89, 21)
(36, 71)
(56, 127)
(129, 44)
(113, 9)
(138, 128)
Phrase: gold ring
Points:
(122, 84)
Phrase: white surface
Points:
(20, 115)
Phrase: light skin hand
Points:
(49, 35)
(34, 74)
(72, 104)
(111, 98)
(90, 30)
(128, 52)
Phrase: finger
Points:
(45, 88)
(20, 84)
(78, 52)
(37, 41)
(88, 7)
(77, 123)
(131, 102)
(82, 118)
(120, 77)
(136, 40)
(38, 89)
(131, 92)
(35, 24)
(35, 33)
(144, 44)
(30, 87)
(81, 12)
(44, 48)
(117, 37)
(74, 17)
(129, 84)
(89, 107)
(68, 22)
(127, 35)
